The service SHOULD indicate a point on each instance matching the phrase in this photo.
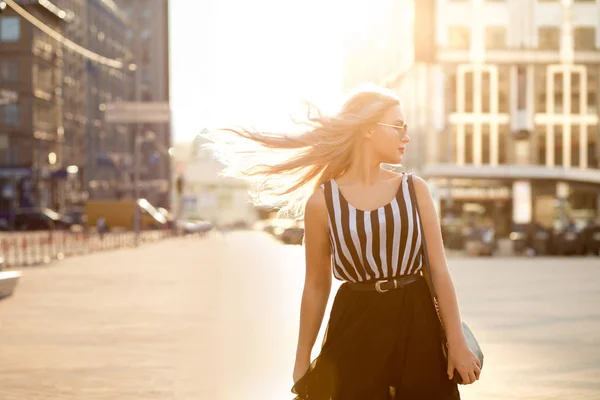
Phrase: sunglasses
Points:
(400, 129)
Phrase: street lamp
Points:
(148, 136)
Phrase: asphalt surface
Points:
(217, 318)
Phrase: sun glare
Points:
(264, 57)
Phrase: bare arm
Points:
(444, 286)
(317, 284)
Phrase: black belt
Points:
(384, 285)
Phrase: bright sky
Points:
(251, 62)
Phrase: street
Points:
(217, 318)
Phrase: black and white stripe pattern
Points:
(373, 245)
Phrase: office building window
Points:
(128, 12)
(549, 38)
(10, 29)
(495, 37)
(10, 114)
(521, 88)
(9, 71)
(146, 77)
(146, 34)
(585, 38)
(459, 37)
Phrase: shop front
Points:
(503, 197)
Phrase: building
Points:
(74, 114)
(207, 195)
(31, 113)
(504, 109)
(148, 37)
(108, 147)
(56, 150)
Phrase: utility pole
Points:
(138, 134)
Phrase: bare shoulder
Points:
(316, 204)
(315, 212)
(421, 186)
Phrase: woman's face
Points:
(389, 137)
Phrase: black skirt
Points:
(380, 346)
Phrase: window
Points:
(495, 37)
(9, 71)
(11, 115)
(147, 13)
(585, 38)
(146, 33)
(146, 77)
(521, 88)
(10, 29)
(459, 37)
(549, 38)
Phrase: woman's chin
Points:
(396, 159)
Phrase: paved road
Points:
(216, 318)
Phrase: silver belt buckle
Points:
(378, 287)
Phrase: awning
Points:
(512, 172)
(15, 172)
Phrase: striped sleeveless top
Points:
(373, 245)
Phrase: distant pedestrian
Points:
(362, 221)
(101, 226)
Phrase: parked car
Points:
(293, 234)
(31, 219)
(568, 240)
(591, 238)
(275, 226)
(480, 241)
(533, 237)
(189, 227)
(452, 234)
(78, 217)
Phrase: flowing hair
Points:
(285, 169)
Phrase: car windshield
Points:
(51, 214)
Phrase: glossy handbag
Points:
(470, 338)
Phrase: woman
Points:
(383, 336)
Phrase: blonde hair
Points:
(285, 169)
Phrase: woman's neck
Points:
(363, 169)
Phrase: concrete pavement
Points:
(217, 318)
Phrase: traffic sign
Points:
(138, 112)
